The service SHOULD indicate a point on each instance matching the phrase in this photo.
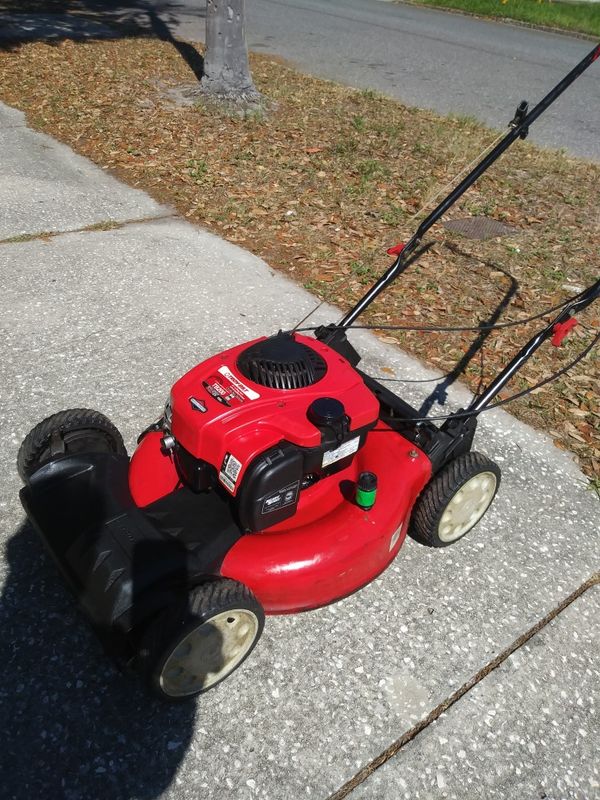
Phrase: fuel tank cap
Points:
(326, 411)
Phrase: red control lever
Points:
(396, 250)
(561, 329)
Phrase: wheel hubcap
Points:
(209, 652)
(467, 506)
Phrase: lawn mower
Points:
(279, 478)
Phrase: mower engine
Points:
(266, 420)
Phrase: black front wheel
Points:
(77, 430)
(455, 500)
(200, 638)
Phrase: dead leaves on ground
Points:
(327, 182)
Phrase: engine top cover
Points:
(282, 362)
(244, 401)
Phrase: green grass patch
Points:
(24, 237)
(579, 17)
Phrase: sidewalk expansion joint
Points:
(106, 225)
(411, 734)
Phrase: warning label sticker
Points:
(346, 449)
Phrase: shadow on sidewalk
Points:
(83, 20)
(439, 395)
(74, 727)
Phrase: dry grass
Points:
(326, 182)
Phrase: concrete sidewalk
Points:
(108, 319)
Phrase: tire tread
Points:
(432, 502)
(37, 439)
(211, 596)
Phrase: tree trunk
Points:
(226, 67)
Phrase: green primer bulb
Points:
(366, 490)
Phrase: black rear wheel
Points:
(77, 430)
(200, 639)
(455, 500)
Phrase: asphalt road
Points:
(432, 59)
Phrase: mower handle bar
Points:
(577, 304)
(519, 128)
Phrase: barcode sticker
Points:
(231, 467)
